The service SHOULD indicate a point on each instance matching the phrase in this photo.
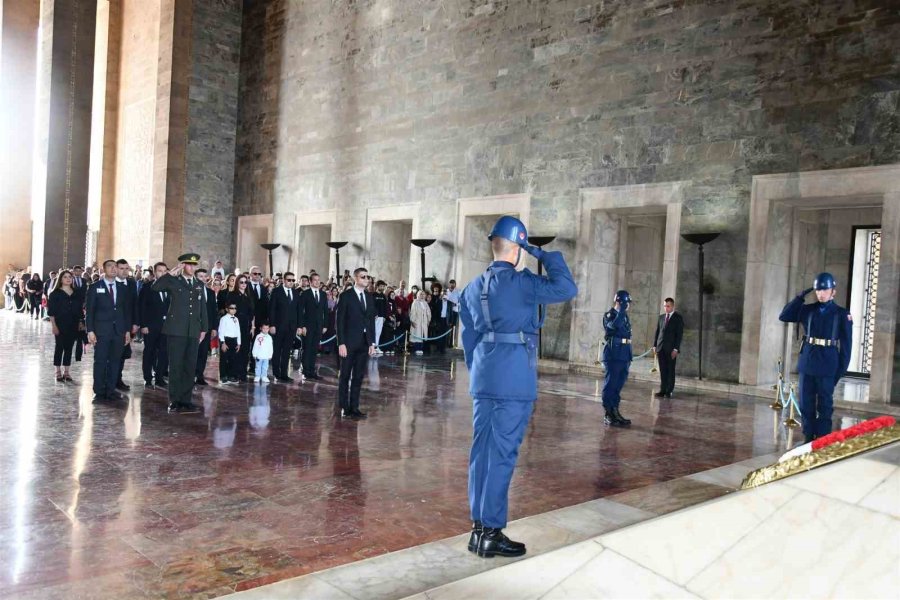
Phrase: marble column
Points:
(63, 132)
(18, 70)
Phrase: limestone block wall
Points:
(212, 123)
(349, 106)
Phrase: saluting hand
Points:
(177, 270)
(806, 291)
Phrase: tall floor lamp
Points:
(339, 277)
(422, 243)
(540, 241)
(699, 239)
(270, 247)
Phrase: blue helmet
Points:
(824, 281)
(510, 228)
(623, 297)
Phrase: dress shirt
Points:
(110, 288)
(229, 327)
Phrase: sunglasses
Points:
(232, 308)
(255, 274)
(242, 282)
(290, 280)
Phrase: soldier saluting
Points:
(825, 355)
(499, 313)
(185, 327)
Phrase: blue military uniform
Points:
(616, 358)
(824, 355)
(499, 313)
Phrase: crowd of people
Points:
(413, 320)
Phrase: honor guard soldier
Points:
(185, 327)
(616, 358)
(824, 355)
(499, 313)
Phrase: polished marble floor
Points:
(831, 533)
(266, 483)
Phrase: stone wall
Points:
(212, 122)
(349, 106)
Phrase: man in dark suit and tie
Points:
(356, 341)
(669, 329)
(108, 321)
(122, 270)
(212, 311)
(284, 323)
(80, 285)
(313, 318)
(260, 296)
(154, 306)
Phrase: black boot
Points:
(621, 419)
(475, 538)
(493, 542)
(612, 420)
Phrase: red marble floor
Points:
(131, 502)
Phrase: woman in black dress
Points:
(65, 312)
(35, 287)
(243, 300)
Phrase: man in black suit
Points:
(80, 285)
(356, 341)
(212, 311)
(154, 306)
(669, 329)
(108, 320)
(313, 318)
(260, 296)
(284, 324)
(122, 276)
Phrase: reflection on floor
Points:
(831, 533)
(266, 484)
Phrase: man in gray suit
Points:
(669, 329)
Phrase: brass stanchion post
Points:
(791, 422)
(778, 405)
(655, 367)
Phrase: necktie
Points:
(362, 300)
(667, 320)
(112, 293)
(316, 295)
(256, 288)
(290, 296)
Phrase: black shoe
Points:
(98, 398)
(201, 381)
(122, 386)
(148, 383)
(669, 395)
(284, 380)
(346, 413)
(68, 378)
(189, 407)
(660, 394)
(161, 382)
(494, 542)
(359, 414)
(475, 538)
(619, 416)
(173, 407)
(60, 379)
(116, 397)
(612, 420)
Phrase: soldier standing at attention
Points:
(616, 358)
(499, 313)
(185, 327)
(825, 354)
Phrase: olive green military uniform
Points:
(185, 321)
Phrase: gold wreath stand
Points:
(829, 454)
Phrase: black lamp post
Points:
(422, 244)
(699, 239)
(540, 242)
(270, 247)
(337, 259)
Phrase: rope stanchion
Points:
(429, 339)
(791, 422)
(649, 350)
(392, 341)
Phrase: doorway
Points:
(312, 253)
(389, 250)
(863, 293)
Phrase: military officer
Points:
(185, 327)
(499, 313)
(616, 358)
(825, 354)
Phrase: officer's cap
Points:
(191, 258)
(824, 281)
